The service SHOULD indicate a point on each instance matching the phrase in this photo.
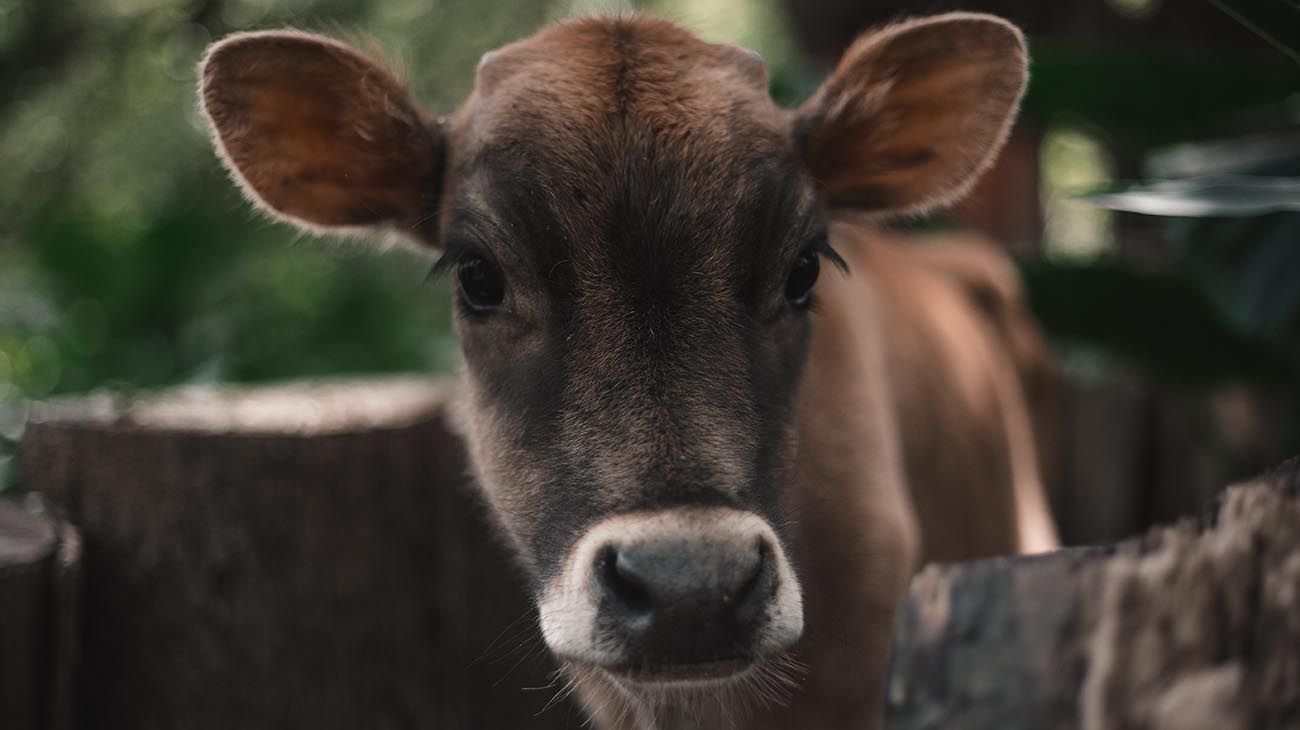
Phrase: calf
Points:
(717, 415)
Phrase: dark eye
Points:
(798, 288)
(481, 286)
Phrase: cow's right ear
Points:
(320, 135)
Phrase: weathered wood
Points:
(27, 547)
(64, 646)
(38, 618)
(1190, 627)
(297, 557)
(311, 557)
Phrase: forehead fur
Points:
(580, 88)
(590, 70)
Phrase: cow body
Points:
(718, 460)
(968, 373)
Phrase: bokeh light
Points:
(1073, 161)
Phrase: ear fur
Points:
(914, 112)
(317, 134)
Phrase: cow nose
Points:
(685, 601)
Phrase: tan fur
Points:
(857, 539)
(960, 348)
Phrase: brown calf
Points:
(718, 463)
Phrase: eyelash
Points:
(822, 247)
(452, 255)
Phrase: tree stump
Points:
(306, 556)
(1192, 627)
(39, 562)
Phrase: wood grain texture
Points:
(39, 617)
(27, 547)
(287, 558)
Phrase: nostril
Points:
(621, 581)
(753, 593)
(752, 581)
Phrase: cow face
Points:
(635, 231)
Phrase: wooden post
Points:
(39, 562)
(306, 556)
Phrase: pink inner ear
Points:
(319, 134)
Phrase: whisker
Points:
(570, 684)
(508, 628)
(532, 653)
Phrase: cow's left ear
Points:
(914, 112)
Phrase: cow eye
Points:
(481, 287)
(798, 287)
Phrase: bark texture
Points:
(299, 557)
(1195, 626)
(39, 562)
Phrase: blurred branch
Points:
(1276, 21)
(1212, 196)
